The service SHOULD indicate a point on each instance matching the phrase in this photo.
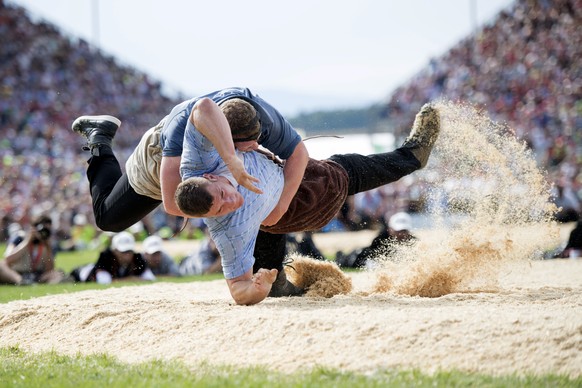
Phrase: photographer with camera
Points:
(32, 260)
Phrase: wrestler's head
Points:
(244, 122)
(207, 196)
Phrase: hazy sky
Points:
(299, 55)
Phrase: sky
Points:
(300, 55)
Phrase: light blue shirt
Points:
(234, 234)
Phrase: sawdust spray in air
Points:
(482, 176)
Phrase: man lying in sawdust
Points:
(234, 215)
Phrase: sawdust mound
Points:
(320, 278)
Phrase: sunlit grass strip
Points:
(49, 369)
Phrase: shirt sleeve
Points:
(172, 135)
(236, 246)
(199, 155)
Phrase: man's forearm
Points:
(293, 174)
(169, 181)
(207, 117)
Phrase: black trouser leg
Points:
(115, 204)
(372, 171)
(270, 251)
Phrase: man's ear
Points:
(210, 177)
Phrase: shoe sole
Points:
(425, 132)
(78, 121)
(427, 117)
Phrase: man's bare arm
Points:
(293, 173)
(169, 181)
(208, 118)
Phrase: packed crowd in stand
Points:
(523, 68)
(46, 80)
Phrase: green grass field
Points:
(22, 369)
(19, 368)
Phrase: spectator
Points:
(40, 170)
(120, 262)
(159, 261)
(524, 68)
(32, 259)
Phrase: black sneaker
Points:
(424, 133)
(99, 131)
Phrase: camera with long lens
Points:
(44, 232)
